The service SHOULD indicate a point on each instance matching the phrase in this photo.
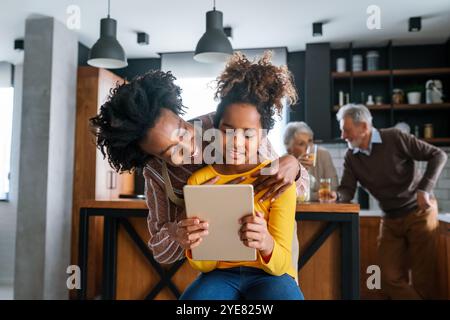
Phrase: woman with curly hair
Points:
(251, 95)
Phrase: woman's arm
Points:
(161, 222)
(281, 174)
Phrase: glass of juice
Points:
(325, 190)
(311, 153)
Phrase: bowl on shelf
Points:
(414, 97)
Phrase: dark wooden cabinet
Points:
(318, 90)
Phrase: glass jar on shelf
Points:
(398, 96)
(428, 131)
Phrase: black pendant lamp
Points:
(213, 46)
(107, 52)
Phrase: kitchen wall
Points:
(442, 189)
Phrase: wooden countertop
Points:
(328, 207)
(140, 204)
(114, 204)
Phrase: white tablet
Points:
(221, 206)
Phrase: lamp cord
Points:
(109, 5)
(214, 5)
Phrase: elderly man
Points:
(383, 162)
(297, 138)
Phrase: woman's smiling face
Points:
(243, 123)
(171, 139)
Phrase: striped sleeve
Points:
(162, 222)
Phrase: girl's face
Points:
(240, 127)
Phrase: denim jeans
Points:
(242, 283)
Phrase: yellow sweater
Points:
(280, 216)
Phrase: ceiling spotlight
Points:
(317, 29)
(143, 38)
(18, 44)
(228, 32)
(415, 24)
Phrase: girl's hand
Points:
(254, 234)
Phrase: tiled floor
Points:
(6, 292)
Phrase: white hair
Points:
(357, 112)
(296, 127)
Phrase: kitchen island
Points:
(325, 270)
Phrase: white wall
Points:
(8, 210)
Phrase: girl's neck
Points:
(229, 169)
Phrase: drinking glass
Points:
(325, 190)
(311, 153)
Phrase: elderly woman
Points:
(297, 138)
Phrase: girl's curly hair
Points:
(130, 110)
(259, 83)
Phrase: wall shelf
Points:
(406, 107)
(372, 108)
(360, 74)
(423, 106)
(387, 73)
(438, 141)
(421, 71)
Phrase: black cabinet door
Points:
(317, 89)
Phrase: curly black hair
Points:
(130, 110)
(259, 83)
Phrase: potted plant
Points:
(414, 94)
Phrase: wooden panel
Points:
(369, 230)
(320, 278)
(84, 171)
(92, 88)
(447, 262)
(135, 276)
(444, 261)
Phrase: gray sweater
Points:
(389, 173)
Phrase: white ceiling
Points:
(176, 25)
